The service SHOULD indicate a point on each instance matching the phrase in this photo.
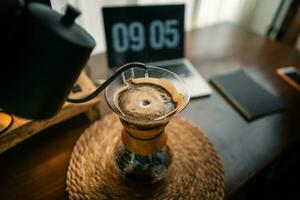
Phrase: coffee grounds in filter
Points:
(145, 101)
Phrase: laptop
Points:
(150, 34)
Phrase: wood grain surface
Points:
(36, 169)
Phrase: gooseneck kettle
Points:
(51, 50)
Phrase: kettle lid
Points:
(63, 26)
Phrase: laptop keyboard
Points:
(179, 69)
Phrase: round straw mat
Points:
(195, 173)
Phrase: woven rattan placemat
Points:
(195, 173)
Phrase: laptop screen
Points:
(143, 33)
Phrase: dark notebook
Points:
(246, 95)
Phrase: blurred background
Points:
(258, 16)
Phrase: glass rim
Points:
(165, 117)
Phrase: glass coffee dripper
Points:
(145, 101)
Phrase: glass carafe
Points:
(142, 153)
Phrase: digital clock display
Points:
(143, 33)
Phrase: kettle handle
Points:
(107, 82)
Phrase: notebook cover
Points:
(246, 95)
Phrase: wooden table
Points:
(36, 169)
